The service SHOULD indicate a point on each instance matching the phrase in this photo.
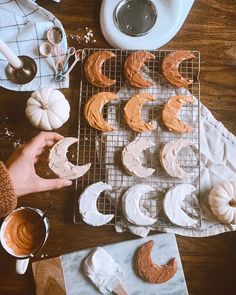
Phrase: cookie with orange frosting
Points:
(93, 69)
(93, 110)
(170, 67)
(132, 68)
(132, 111)
(170, 113)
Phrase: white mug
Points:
(22, 261)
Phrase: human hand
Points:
(20, 166)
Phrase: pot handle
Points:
(21, 265)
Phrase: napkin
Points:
(23, 26)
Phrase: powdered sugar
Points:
(83, 36)
(8, 136)
(44, 255)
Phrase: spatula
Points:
(117, 286)
(120, 290)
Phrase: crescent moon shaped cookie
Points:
(131, 157)
(170, 67)
(131, 208)
(172, 205)
(168, 158)
(93, 109)
(132, 68)
(88, 204)
(171, 112)
(151, 272)
(59, 163)
(132, 111)
(93, 69)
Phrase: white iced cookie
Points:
(172, 204)
(88, 204)
(131, 157)
(131, 205)
(168, 158)
(101, 268)
(59, 163)
(47, 109)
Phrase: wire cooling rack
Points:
(103, 149)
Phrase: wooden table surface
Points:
(209, 263)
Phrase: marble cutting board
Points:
(164, 249)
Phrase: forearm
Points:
(8, 199)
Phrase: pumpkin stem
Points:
(44, 106)
(232, 203)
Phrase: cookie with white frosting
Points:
(168, 158)
(131, 155)
(173, 205)
(88, 204)
(131, 205)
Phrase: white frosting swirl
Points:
(103, 271)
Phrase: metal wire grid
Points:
(103, 150)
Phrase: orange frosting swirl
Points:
(24, 232)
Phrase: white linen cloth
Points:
(217, 162)
(23, 26)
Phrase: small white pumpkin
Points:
(222, 201)
(47, 109)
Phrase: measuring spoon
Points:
(70, 52)
(46, 50)
(60, 74)
(55, 36)
(79, 55)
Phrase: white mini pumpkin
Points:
(222, 201)
(47, 109)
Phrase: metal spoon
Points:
(46, 50)
(46, 211)
(55, 36)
